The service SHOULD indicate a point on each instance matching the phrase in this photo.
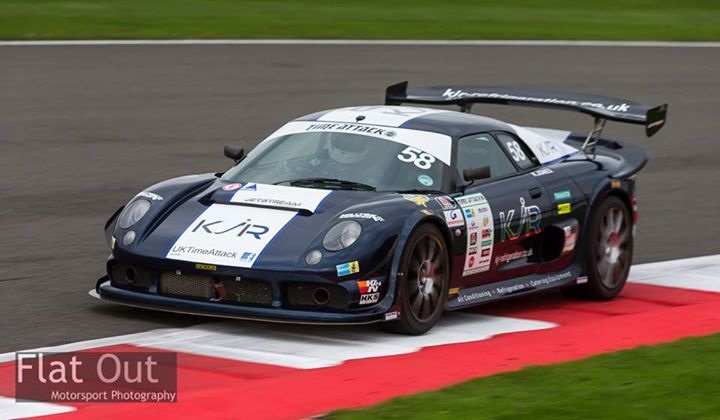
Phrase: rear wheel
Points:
(423, 286)
(609, 252)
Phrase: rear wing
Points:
(601, 107)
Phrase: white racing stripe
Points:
(436, 144)
(10, 409)
(229, 235)
(368, 42)
(392, 116)
(544, 143)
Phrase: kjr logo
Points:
(219, 227)
(529, 222)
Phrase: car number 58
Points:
(416, 156)
(515, 151)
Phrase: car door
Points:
(504, 213)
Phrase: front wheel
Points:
(609, 251)
(423, 283)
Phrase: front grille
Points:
(248, 291)
(225, 290)
(187, 285)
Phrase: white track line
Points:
(11, 409)
(306, 347)
(699, 273)
(367, 42)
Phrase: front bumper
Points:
(151, 296)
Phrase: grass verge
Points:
(368, 19)
(679, 380)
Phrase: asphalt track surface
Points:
(84, 128)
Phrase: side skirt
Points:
(520, 286)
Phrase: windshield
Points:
(341, 160)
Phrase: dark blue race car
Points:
(390, 214)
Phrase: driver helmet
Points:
(347, 150)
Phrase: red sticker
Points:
(232, 187)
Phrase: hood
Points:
(261, 226)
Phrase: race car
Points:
(390, 214)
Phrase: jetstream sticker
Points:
(229, 235)
(280, 196)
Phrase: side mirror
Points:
(475, 174)
(233, 152)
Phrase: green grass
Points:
(679, 380)
(417, 19)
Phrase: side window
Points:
(516, 150)
(482, 150)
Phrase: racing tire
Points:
(424, 283)
(609, 252)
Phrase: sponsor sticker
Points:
(369, 291)
(229, 235)
(369, 298)
(248, 257)
(581, 280)
(369, 216)
(454, 218)
(474, 294)
(368, 286)
(150, 195)
(502, 259)
(541, 172)
(528, 223)
(564, 208)
(294, 198)
(232, 187)
(446, 203)
(348, 268)
(454, 291)
(425, 180)
(471, 199)
(570, 238)
(426, 212)
(563, 195)
(389, 316)
(477, 212)
(420, 200)
(206, 267)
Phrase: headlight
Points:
(342, 235)
(133, 212)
